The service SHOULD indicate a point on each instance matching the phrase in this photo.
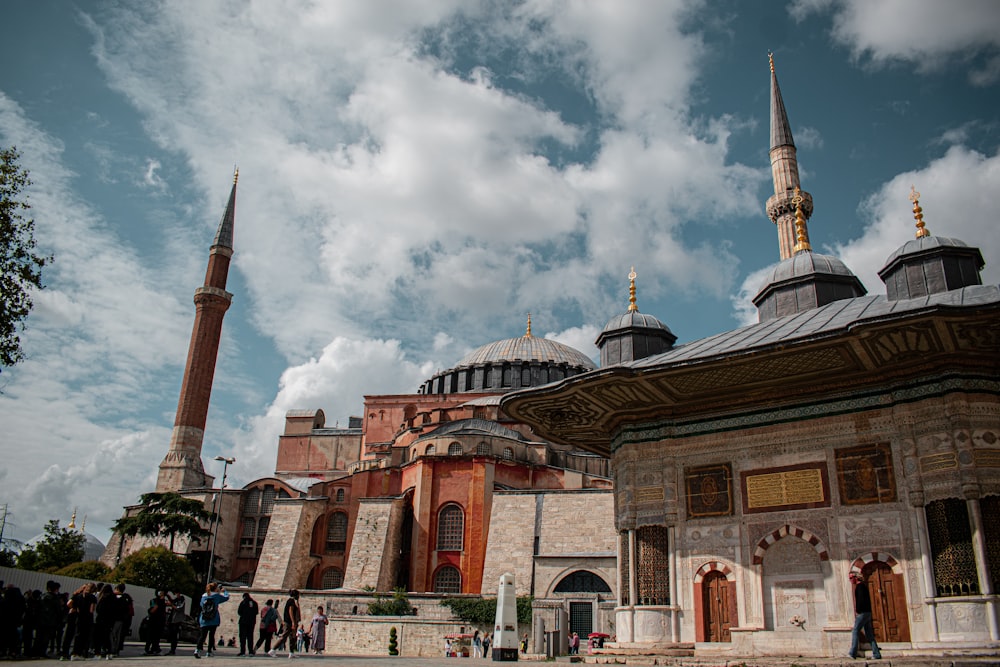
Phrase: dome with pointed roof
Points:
(527, 348)
(804, 281)
(930, 264)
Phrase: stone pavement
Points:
(228, 658)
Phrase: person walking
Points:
(317, 630)
(290, 620)
(862, 618)
(126, 612)
(477, 645)
(209, 618)
(247, 613)
(176, 615)
(156, 622)
(268, 626)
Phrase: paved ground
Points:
(228, 658)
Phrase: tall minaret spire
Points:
(785, 174)
(182, 467)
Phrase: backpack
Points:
(208, 610)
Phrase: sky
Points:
(418, 175)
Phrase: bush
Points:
(483, 611)
(88, 569)
(397, 605)
(393, 648)
(157, 568)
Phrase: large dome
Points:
(527, 348)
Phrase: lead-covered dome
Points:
(804, 281)
(931, 264)
(509, 364)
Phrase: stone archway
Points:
(715, 602)
(793, 576)
(883, 575)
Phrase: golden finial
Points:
(236, 174)
(527, 334)
(83, 526)
(632, 308)
(770, 60)
(918, 213)
(801, 233)
(72, 521)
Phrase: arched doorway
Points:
(715, 607)
(888, 602)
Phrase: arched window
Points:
(582, 581)
(252, 504)
(484, 448)
(429, 451)
(451, 526)
(336, 533)
(455, 449)
(340, 495)
(332, 578)
(267, 500)
(508, 454)
(448, 580)
(247, 541)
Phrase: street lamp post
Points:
(213, 536)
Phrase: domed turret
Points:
(509, 364)
(633, 335)
(929, 264)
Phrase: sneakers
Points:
(197, 654)
(272, 653)
(292, 655)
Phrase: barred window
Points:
(247, 540)
(652, 565)
(508, 454)
(448, 580)
(336, 533)
(451, 525)
(455, 449)
(990, 508)
(951, 548)
(340, 495)
(267, 500)
(332, 578)
(483, 448)
(429, 451)
(252, 504)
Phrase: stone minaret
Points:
(182, 467)
(785, 174)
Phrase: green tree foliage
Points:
(393, 646)
(159, 568)
(88, 569)
(20, 265)
(483, 611)
(60, 547)
(397, 605)
(167, 515)
(7, 558)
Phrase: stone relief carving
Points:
(874, 531)
(960, 617)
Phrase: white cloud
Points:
(926, 32)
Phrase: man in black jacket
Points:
(247, 612)
(862, 618)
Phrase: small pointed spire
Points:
(83, 526)
(72, 521)
(801, 232)
(632, 308)
(781, 132)
(224, 236)
(918, 213)
(527, 334)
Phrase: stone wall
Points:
(285, 560)
(371, 530)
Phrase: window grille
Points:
(451, 525)
(508, 454)
(247, 540)
(448, 580)
(623, 567)
(483, 448)
(429, 451)
(332, 578)
(252, 504)
(262, 525)
(582, 581)
(267, 500)
(340, 495)
(455, 449)
(951, 548)
(653, 565)
(990, 508)
(336, 533)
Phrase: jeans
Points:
(863, 623)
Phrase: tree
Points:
(483, 611)
(60, 547)
(92, 570)
(167, 514)
(157, 568)
(397, 605)
(20, 265)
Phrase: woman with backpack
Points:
(209, 618)
(268, 626)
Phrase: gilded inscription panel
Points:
(790, 487)
(935, 462)
(865, 475)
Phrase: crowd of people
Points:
(92, 621)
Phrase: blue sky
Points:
(417, 176)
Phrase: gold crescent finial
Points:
(918, 214)
(632, 308)
(236, 174)
(527, 334)
(801, 233)
(770, 60)
(72, 521)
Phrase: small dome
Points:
(925, 244)
(527, 348)
(930, 264)
(804, 281)
(634, 320)
(803, 264)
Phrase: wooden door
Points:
(715, 607)
(888, 603)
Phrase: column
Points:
(979, 549)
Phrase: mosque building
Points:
(729, 484)
(754, 470)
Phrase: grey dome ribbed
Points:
(527, 348)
